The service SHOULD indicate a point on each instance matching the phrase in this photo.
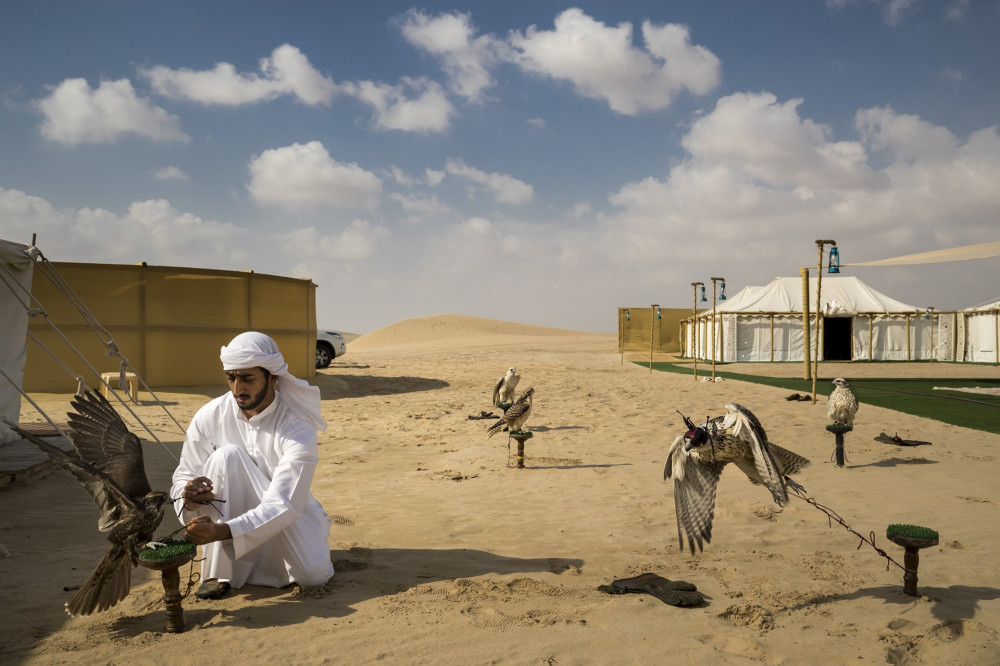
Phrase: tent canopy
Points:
(840, 295)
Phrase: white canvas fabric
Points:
(17, 272)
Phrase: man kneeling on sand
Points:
(245, 471)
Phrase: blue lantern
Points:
(703, 299)
(658, 313)
(722, 295)
(834, 260)
(627, 316)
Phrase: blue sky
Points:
(536, 162)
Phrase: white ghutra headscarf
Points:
(251, 350)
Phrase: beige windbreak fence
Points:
(638, 326)
(169, 322)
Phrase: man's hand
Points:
(202, 530)
(197, 491)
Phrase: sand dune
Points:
(446, 555)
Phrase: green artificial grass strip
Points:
(911, 532)
(173, 548)
(910, 396)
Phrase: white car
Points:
(329, 345)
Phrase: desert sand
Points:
(445, 554)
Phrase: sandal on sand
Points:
(212, 588)
(673, 592)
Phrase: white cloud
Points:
(957, 10)
(434, 177)
(400, 176)
(356, 242)
(150, 231)
(536, 122)
(306, 175)
(904, 137)
(475, 226)
(419, 207)
(766, 140)
(286, 72)
(505, 189)
(602, 63)
(75, 113)
(170, 173)
(896, 11)
(780, 189)
(952, 75)
(428, 111)
(466, 59)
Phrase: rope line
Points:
(35, 308)
(832, 516)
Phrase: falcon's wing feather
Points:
(764, 462)
(111, 499)
(104, 441)
(695, 487)
(496, 392)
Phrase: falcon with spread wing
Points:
(697, 458)
(842, 404)
(503, 392)
(108, 462)
(516, 415)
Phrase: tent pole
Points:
(807, 370)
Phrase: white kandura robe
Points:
(263, 468)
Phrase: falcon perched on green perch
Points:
(108, 462)
(697, 458)
(516, 415)
(842, 404)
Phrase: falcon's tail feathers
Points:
(789, 461)
(109, 584)
(495, 428)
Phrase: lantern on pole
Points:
(834, 261)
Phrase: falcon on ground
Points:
(842, 404)
(697, 458)
(108, 462)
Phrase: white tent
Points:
(858, 323)
(982, 333)
(15, 289)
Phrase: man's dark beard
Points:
(255, 401)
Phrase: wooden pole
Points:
(652, 322)
(819, 309)
(694, 320)
(714, 345)
(807, 369)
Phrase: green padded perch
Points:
(167, 560)
(912, 538)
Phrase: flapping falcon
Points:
(697, 458)
(516, 415)
(842, 404)
(503, 392)
(108, 462)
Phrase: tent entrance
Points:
(837, 338)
